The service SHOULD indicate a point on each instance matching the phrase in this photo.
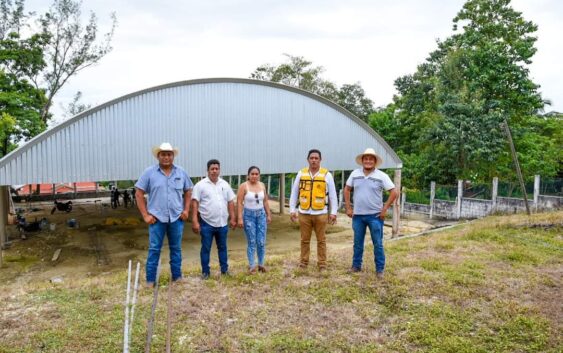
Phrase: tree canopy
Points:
(299, 72)
(33, 68)
(445, 120)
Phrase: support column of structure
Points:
(396, 205)
(282, 193)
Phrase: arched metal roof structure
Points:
(241, 122)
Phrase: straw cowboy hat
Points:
(165, 146)
(369, 152)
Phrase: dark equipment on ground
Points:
(62, 206)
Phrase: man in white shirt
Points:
(368, 184)
(310, 190)
(213, 205)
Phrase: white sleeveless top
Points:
(253, 200)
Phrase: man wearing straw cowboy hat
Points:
(368, 184)
(169, 188)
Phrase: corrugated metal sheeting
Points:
(241, 122)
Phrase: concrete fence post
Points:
(238, 182)
(494, 194)
(459, 198)
(397, 205)
(4, 195)
(432, 196)
(536, 191)
(403, 200)
(74, 188)
(343, 181)
(269, 183)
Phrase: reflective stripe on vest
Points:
(312, 191)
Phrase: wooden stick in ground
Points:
(135, 294)
(126, 325)
(169, 317)
(153, 311)
(516, 164)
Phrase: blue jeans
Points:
(375, 224)
(208, 232)
(157, 231)
(255, 229)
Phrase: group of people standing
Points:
(313, 203)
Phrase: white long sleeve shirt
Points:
(332, 198)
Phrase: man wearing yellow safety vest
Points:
(311, 187)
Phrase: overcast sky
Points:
(368, 41)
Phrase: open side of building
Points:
(241, 122)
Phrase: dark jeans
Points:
(375, 224)
(208, 232)
(157, 231)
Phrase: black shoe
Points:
(205, 276)
(226, 274)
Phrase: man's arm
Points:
(185, 215)
(347, 204)
(231, 207)
(333, 199)
(293, 198)
(195, 220)
(142, 206)
(392, 196)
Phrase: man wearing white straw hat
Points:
(169, 188)
(368, 184)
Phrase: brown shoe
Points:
(149, 285)
(303, 266)
(379, 275)
(262, 269)
(251, 270)
(354, 270)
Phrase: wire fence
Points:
(484, 191)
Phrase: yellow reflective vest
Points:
(312, 191)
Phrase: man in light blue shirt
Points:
(368, 184)
(169, 191)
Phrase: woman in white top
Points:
(254, 217)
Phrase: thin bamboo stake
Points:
(126, 325)
(135, 294)
(153, 311)
(169, 317)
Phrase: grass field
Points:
(493, 285)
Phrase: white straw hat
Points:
(165, 146)
(369, 152)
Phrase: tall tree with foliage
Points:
(20, 101)
(70, 45)
(449, 111)
(299, 72)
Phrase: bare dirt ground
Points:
(106, 239)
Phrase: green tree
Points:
(299, 72)
(69, 47)
(452, 106)
(20, 101)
